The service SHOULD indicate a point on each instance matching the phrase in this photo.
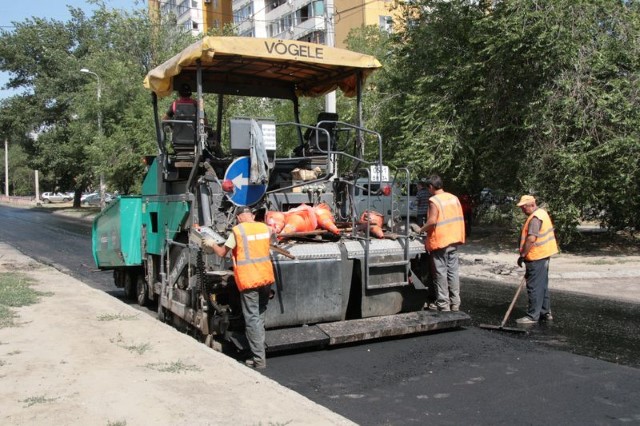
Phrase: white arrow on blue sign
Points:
(244, 194)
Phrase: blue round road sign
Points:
(244, 194)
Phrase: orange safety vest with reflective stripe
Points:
(545, 244)
(251, 257)
(449, 228)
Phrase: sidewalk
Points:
(610, 275)
(81, 357)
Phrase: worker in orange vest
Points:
(249, 243)
(537, 245)
(445, 231)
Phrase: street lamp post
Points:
(99, 95)
(6, 167)
(330, 40)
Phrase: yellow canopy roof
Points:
(257, 65)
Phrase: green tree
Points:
(21, 179)
(56, 117)
(586, 131)
(373, 41)
(522, 96)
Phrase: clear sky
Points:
(19, 10)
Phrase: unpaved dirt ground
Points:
(600, 264)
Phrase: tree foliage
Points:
(70, 133)
(21, 178)
(524, 96)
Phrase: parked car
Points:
(93, 199)
(85, 195)
(55, 197)
(490, 196)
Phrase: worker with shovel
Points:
(537, 245)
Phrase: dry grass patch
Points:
(173, 367)
(16, 291)
(116, 317)
(33, 400)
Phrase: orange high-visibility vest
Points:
(545, 244)
(251, 257)
(449, 228)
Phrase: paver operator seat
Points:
(318, 143)
(183, 135)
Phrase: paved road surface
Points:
(470, 376)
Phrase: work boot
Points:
(525, 321)
(430, 306)
(256, 363)
(547, 317)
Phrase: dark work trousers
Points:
(254, 307)
(426, 276)
(445, 276)
(537, 276)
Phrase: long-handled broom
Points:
(501, 327)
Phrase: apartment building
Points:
(286, 19)
(196, 16)
(351, 14)
(307, 19)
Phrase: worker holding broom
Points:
(249, 243)
(537, 245)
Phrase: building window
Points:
(318, 8)
(272, 4)
(168, 7)
(243, 14)
(248, 33)
(169, 4)
(314, 37)
(183, 8)
(281, 25)
(304, 13)
(312, 10)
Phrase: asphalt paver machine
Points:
(345, 283)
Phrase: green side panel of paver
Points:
(116, 234)
(150, 184)
(162, 218)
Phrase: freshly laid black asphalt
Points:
(464, 377)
